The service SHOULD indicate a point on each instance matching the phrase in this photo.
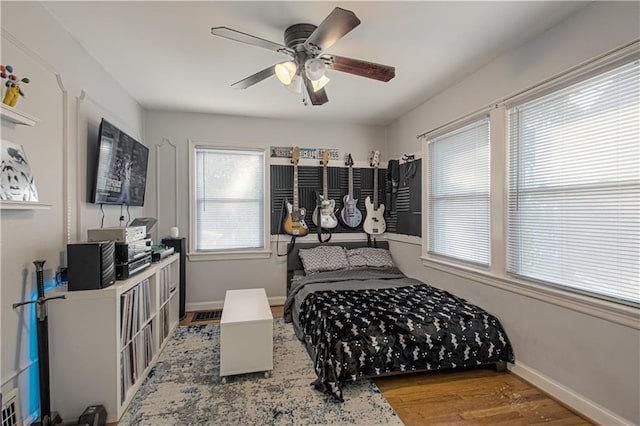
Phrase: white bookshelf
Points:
(103, 343)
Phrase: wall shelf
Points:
(16, 116)
(24, 205)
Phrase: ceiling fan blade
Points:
(338, 23)
(317, 98)
(249, 39)
(255, 78)
(361, 68)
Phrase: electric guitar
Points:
(374, 224)
(294, 222)
(325, 207)
(350, 216)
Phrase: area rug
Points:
(184, 388)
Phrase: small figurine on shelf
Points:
(13, 85)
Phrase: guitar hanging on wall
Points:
(294, 222)
(374, 223)
(325, 208)
(350, 215)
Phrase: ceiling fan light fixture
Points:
(296, 84)
(319, 84)
(315, 69)
(304, 70)
(286, 71)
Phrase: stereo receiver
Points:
(119, 234)
(128, 269)
(128, 252)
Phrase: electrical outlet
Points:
(62, 275)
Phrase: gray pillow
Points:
(369, 256)
(323, 258)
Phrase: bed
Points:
(359, 316)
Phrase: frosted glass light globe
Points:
(315, 69)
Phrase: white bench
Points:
(246, 333)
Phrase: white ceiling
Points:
(163, 54)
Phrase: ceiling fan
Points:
(305, 44)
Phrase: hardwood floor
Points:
(467, 397)
(472, 397)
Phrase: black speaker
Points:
(91, 265)
(180, 246)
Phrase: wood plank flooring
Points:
(464, 397)
(472, 397)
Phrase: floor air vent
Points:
(11, 412)
(205, 316)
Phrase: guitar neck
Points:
(375, 188)
(350, 183)
(295, 187)
(324, 183)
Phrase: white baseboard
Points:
(569, 397)
(217, 304)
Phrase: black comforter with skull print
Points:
(396, 324)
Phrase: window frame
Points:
(474, 119)
(227, 254)
(497, 277)
(565, 188)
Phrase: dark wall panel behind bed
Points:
(402, 212)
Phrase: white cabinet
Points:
(103, 343)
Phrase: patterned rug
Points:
(184, 388)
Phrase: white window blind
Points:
(230, 199)
(574, 186)
(459, 194)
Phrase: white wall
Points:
(68, 93)
(594, 30)
(589, 362)
(207, 281)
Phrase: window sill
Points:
(627, 316)
(229, 255)
(402, 238)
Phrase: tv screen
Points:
(121, 171)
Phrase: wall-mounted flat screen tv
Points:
(121, 168)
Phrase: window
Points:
(574, 186)
(458, 197)
(229, 199)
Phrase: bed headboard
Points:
(295, 264)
